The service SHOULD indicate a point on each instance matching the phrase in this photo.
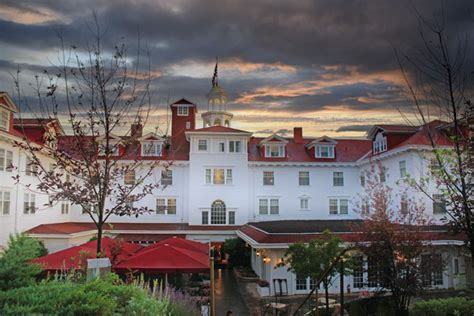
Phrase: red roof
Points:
(74, 227)
(422, 136)
(347, 150)
(181, 243)
(288, 232)
(76, 257)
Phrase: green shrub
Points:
(453, 306)
(15, 269)
(239, 253)
(105, 296)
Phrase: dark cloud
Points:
(354, 128)
(316, 38)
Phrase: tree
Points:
(239, 252)
(396, 238)
(15, 267)
(96, 91)
(314, 258)
(438, 82)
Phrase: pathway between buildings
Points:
(228, 296)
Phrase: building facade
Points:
(224, 182)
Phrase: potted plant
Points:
(263, 288)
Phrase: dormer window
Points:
(183, 111)
(152, 148)
(380, 144)
(275, 151)
(324, 147)
(4, 119)
(113, 149)
(273, 146)
(324, 151)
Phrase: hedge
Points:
(454, 306)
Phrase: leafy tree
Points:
(96, 89)
(314, 258)
(396, 238)
(239, 253)
(15, 268)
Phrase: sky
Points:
(326, 66)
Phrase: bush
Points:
(239, 253)
(15, 268)
(105, 296)
(453, 306)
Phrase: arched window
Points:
(218, 214)
(227, 123)
(217, 122)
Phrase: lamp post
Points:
(341, 276)
(213, 287)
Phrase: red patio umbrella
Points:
(76, 257)
(180, 243)
(166, 258)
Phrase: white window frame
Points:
(275, 151)
(30, 168)
(5, 202)
(169, 203)
(221, 146)
(304, 204)
(270, 179)
(6, 160)
(65, 206)
(324, 151)
(402, 166)
(204, 144)
(29, 203)
(336, 178)
(304, 178)
(182, 111)
(4, 119)
(152, 148)
(380, 144)
(210, 176)
(128, 176)
(167, 175)
(339, 204)
(269, 206)
(235, 146)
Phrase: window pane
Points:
(338, 179)
(229, 176)
(202, 145)
(219, 176)
(344, 206)
(160, 206)
(171, 206)
(268, 178)
(205, 218)
(2, 159)
(130, 177)
(274, 208)
(231, 218)
(263, 206)
(301, 283)
(208, 176)
(304, 204)
(358, 272)
(218, 213)
(303, 178)
(439, 204)
(332, 206)
(166, 177)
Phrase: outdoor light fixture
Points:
(257, 253)
(266, 259)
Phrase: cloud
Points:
(354, 128)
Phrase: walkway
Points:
(228, 296)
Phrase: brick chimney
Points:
(298, 135)
(136, 130)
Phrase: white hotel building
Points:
(224, 183)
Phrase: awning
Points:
(76, 257)
(168, 256)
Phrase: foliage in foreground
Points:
(105, 296)
(458, 306)
(15, 270)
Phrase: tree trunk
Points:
(326, 290)
(99, 240)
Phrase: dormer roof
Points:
(323, 140)
(392, 129)
(273, 139)
(6, 102)
(183, 102)
(151, 137)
